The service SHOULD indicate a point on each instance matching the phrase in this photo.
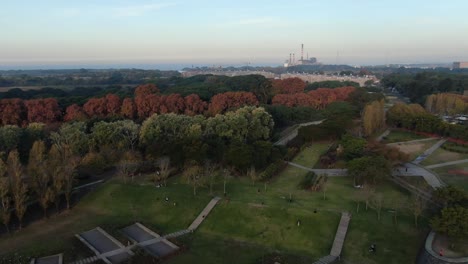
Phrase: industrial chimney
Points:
(302, 52)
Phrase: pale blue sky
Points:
(231, 32)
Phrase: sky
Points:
(230, 32)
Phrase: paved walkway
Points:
(340, 234)
(384, 134)
(411, 141)
(409, 169)
(447, 164)
(429, 151)
(288, 137)
(204, 213)
(328, 172)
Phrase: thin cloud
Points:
(138, 10)
(254, 21)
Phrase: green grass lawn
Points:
(310, 155)
(254, 222)
(401, 136)
(449, 176)
(441, 155)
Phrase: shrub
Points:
(308, 181)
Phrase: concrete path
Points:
(384, 134)
(429, 151)
(55, 259)
(447, 164)
(409, 169)
(204, 214)
(411, 141)
(340, 235)
(412, 169)
(288, 137)
(329, 172)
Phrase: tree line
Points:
(447, 104)
(147, 101)
(417, 86)
(44, 168)
(415, 117)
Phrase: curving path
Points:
(447, 164)
(409, 169)
(291, 135)
(429, 151)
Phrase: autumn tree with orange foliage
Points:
(288, 86)
(128, 109)
(146, 100)
(113, 104)
(194, 105)
(222, 102)
(317, 99)
(12, 112)
(74, 113)
(43, 110)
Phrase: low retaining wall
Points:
(428, 256)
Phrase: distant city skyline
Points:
(54, 33)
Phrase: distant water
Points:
(143, 66)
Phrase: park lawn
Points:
(240, 221)
(395, 243)
(441, 155)
(212, 249)
(112, 206)
(401, 136)
(456, 175)
(310, 155)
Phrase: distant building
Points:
(460, 65)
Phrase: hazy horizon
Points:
(53, 33)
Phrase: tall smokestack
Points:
(302, 52)
(290, 58)
(294, 59)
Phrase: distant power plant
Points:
(292, 59)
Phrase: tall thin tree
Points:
(19, 189)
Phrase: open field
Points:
(255, 220)
(401, 136)
(441, 155)
(309, 156)
(456, 175)
(415, 149)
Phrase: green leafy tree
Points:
(450, 196)
(352, 147)
(369, 169)
(452, 221)
(72, 136)
(10, 137)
